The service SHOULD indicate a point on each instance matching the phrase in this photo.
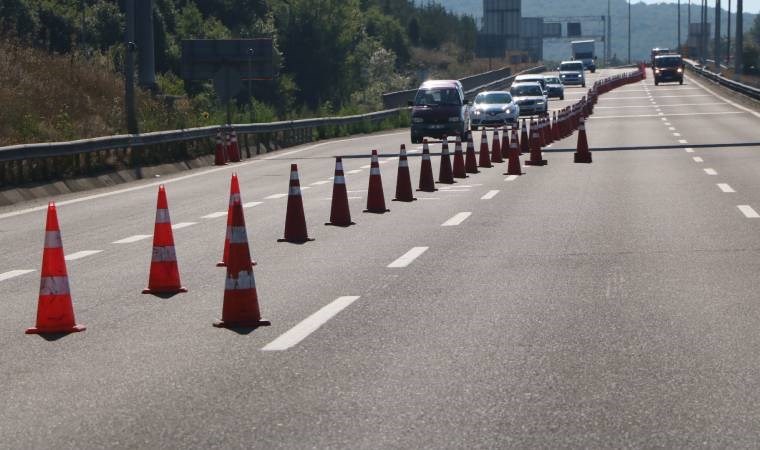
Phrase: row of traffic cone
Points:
(227, 149)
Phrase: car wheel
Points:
(656, 83)
(416, 139)
(561, 97)
(680, 82)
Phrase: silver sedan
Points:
(493, 109)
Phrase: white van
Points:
(571, 72)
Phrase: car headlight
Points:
(540, 102)
(454, 119)
(417, 120)
(656, 70)
(477, 112)
(507, 109)
(680, 70)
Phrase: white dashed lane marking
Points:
(14, 274)
(457, 219)
(490, 194)
(683, 141)
(689, 150)
(725, 188)
(275, 196)
(181, 225)
(511, 178)
(252, 204)
(82, 254)
(711, 171)
(408, 257)
(318, 183)
(748, 212)
(310, 324)
(698, 159)
(135, 238)
(215, 215)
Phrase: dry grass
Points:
(49, 98)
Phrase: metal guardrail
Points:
(741, 88)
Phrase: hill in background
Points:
(653, 25)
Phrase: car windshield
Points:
(553, 80)
(571, 67)
(668, 61)
(437, 96)
(493, 98)
(526, 90)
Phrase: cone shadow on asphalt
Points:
(244, 330)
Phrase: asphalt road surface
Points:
(606, 305)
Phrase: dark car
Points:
(668, 68)
(438, 110)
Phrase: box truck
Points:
(584, 51)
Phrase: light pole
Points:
(728, 46)
(739, 38)
(678, 45)
(129, 69)
(609, 33)
(629, 31)
(250, 80)
(717, 36)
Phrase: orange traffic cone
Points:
(459, 168)
(471, 163)
(582, 154)
(234, 196)
(535, 148)
(505, 143)
(340, 215)
(524, 141)
(219, 154)
(556, 128)
(513, 160)
(240, 307)
(485, 158)
(445, 176)
(295, 220)
(427, 184)
(55, 312)
(375, 196)
(164, 273)
(496, 147)
(234, 149)
(403, 179)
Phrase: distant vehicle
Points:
(657, 52)
(438, 110)
(531, 78)
(554, 87)
(668, 68)
(584, 51)
(493, 108)
(530, 98)
(571, 72)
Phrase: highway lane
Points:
(602, 305)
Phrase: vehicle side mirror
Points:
(410, 103)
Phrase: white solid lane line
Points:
(720, 97)
(669, 106)
(82, 254)
(711, 172)
(14, 273)
(748, 212)
(725, 188)
(214, 215)
(318, 183)
(698, 159)
(135, 238)
(275, 196)
(181, 225)
(457, 219)
(310, 324)
(491, 194)
(641, 116)
(408, 257)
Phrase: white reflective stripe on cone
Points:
(234, 198)
(162, 216)
(53, 239)
(293, 175)
(403, 163)
(244, 280)
(339, 166)
(238, 235)
(164, 254)
(426, 156)
(54, 285)
(374, 171)
(294, 190)
(340, 179)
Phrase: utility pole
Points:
(738, 69)
(629, 31)
(728, 47)
(609, 33)
(129, 69)
(678, 45)
(717, 36)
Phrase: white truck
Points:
(584, 51)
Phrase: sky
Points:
(750, 6)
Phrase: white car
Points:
(571, 72)
(531, 99)
(493, 108)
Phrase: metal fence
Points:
(741, 88)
